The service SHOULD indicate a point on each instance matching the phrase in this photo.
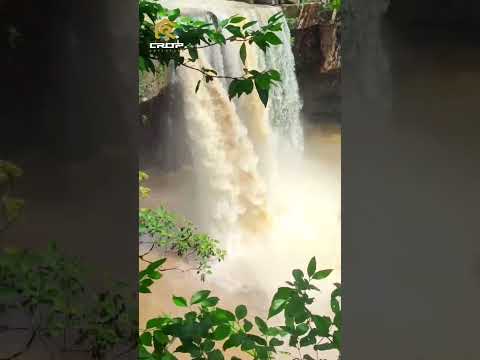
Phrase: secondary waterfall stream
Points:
(271, 198)
(236, 145)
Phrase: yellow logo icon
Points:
(165, 28)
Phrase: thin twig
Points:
(25, 348)
(213, 76)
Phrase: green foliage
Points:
(143, 191)
(181, 238)
(306, 329)
(331, 10)
(206, 328)
(11, 206)
(148, 276)
(174, 235)
(326, 4)
(196, 34)
(51, 290)
(334, 5)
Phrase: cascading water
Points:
(236, 145)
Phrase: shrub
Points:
(206, 328)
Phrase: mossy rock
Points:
(150, 85)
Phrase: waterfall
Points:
(237, 146)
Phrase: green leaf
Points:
(273, 39)
(220, 316)
(308, 340)
(243, 53)
(293, 341)
(247, 344)
(337, 339)
(215, 355)
(337, 320)
(241, 312)
(276, 342)
(141, 64)
(179, 301)
(247, 325)
(155, 275)
(146, 283)
(221, 332)
(312, 266)
(322, 325)
(262, 353)
(236, 19)
(199, 296)
(262, 81)
(275, 75)
(259, 340)
(301, 329)
(263, 94)
(297, 275)
(301, 316)
(235, 31)
(160, 338)
(274, 18)
(210, 302)
(144, 290)
(154, 323)
(262, 325)
(146, 339)
(245, 86)
(144, 354)
(233, 341)
(248, 24)
(224, 22)
(324, 347)
(155, 265)
(295, 308)
(319, 275)
(276, 307)
(259, 40)
(193, 54)
(335, 305)
(207, 345)
(174, 15)
(232, 89)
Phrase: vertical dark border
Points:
(410, 249)
(69, 119)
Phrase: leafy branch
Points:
(50, 290)
(166, 231)
(197, 34)
(206, 328)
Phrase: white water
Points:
(236, 145)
